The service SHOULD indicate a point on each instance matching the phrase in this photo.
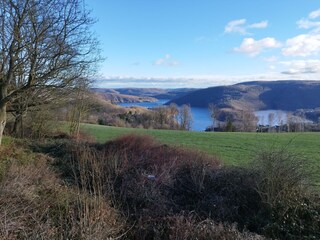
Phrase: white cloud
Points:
(259, 25)
(314, 14)
(307, 24)
(310, 66)
(240, 26)
(166, 61)
(302, 45)
(308, 44)
(254, 47)
(236, 26)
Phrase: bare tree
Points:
(214, 112)
(18, 109)
(31, 101)
(271, 121)
(161, 116)
(302, 120)
(280, 120)
(185, 117)
(290, 122)
(44, 44)
(81, 106)
(173, 112)
(165, 117)
(248, 120)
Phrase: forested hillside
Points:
(278, 95)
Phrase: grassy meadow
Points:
(233, 148)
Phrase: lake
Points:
(145, 104)
(201, 118)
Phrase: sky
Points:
(203, 43)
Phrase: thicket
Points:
(36, 204)
(165, 192)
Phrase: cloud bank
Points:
(196, 81)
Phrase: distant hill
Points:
(124, 98)
(141, 94)
(257, 95)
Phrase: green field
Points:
(232, 148)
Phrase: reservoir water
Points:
(145, 104)
(201, 117)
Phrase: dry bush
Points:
(23, 211)
(283, 175)
(91, 211)
(81, 137)
(144, 172)
(284, 186)
(84, 216)
(36, 123)
(13, 152)
(153, 184)
(138, 175)
(227, 195)
(34, 204)
(188, 228)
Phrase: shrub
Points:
(283, 176)
(228, 195)
(283, 185)
(146, 176)
(35, 204)
(186, 226)
(138, 175)
(12, 152)
(167, 191)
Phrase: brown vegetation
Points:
(284, 186)
(136, 188)
(159, 186)
(36, 204)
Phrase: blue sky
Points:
(189, 43)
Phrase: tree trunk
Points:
(3, 119)
(17, 130)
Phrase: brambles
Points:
(137, 188)
(36, 204)
(182, 180)
(284, 186)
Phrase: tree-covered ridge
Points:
(258, 95)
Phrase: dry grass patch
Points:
(36, 204)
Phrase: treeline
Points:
(245, 120)
(162, 117)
